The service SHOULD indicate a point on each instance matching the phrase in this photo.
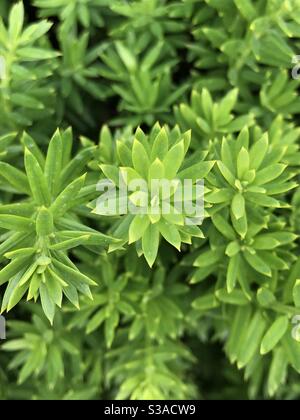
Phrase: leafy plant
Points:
(42, 227)
(25, 92)
(208, 119)
(247, 176)
(158, 157)
(77, 74)
(152, 294)
(162, 20)
(41, 350)
(143, 84)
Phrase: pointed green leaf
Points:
(138, 227)
(47, 303)
(170, 233)
(274, 334)
(173, 160)
(64, 201)
(37, 180)
(15, 177)
(232, 273)
(140, 158)
(238, 206)
(150, 243)
(53, 163)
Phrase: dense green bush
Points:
(150, 306)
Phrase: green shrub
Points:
(150, 304)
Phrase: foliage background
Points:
(193, 325)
